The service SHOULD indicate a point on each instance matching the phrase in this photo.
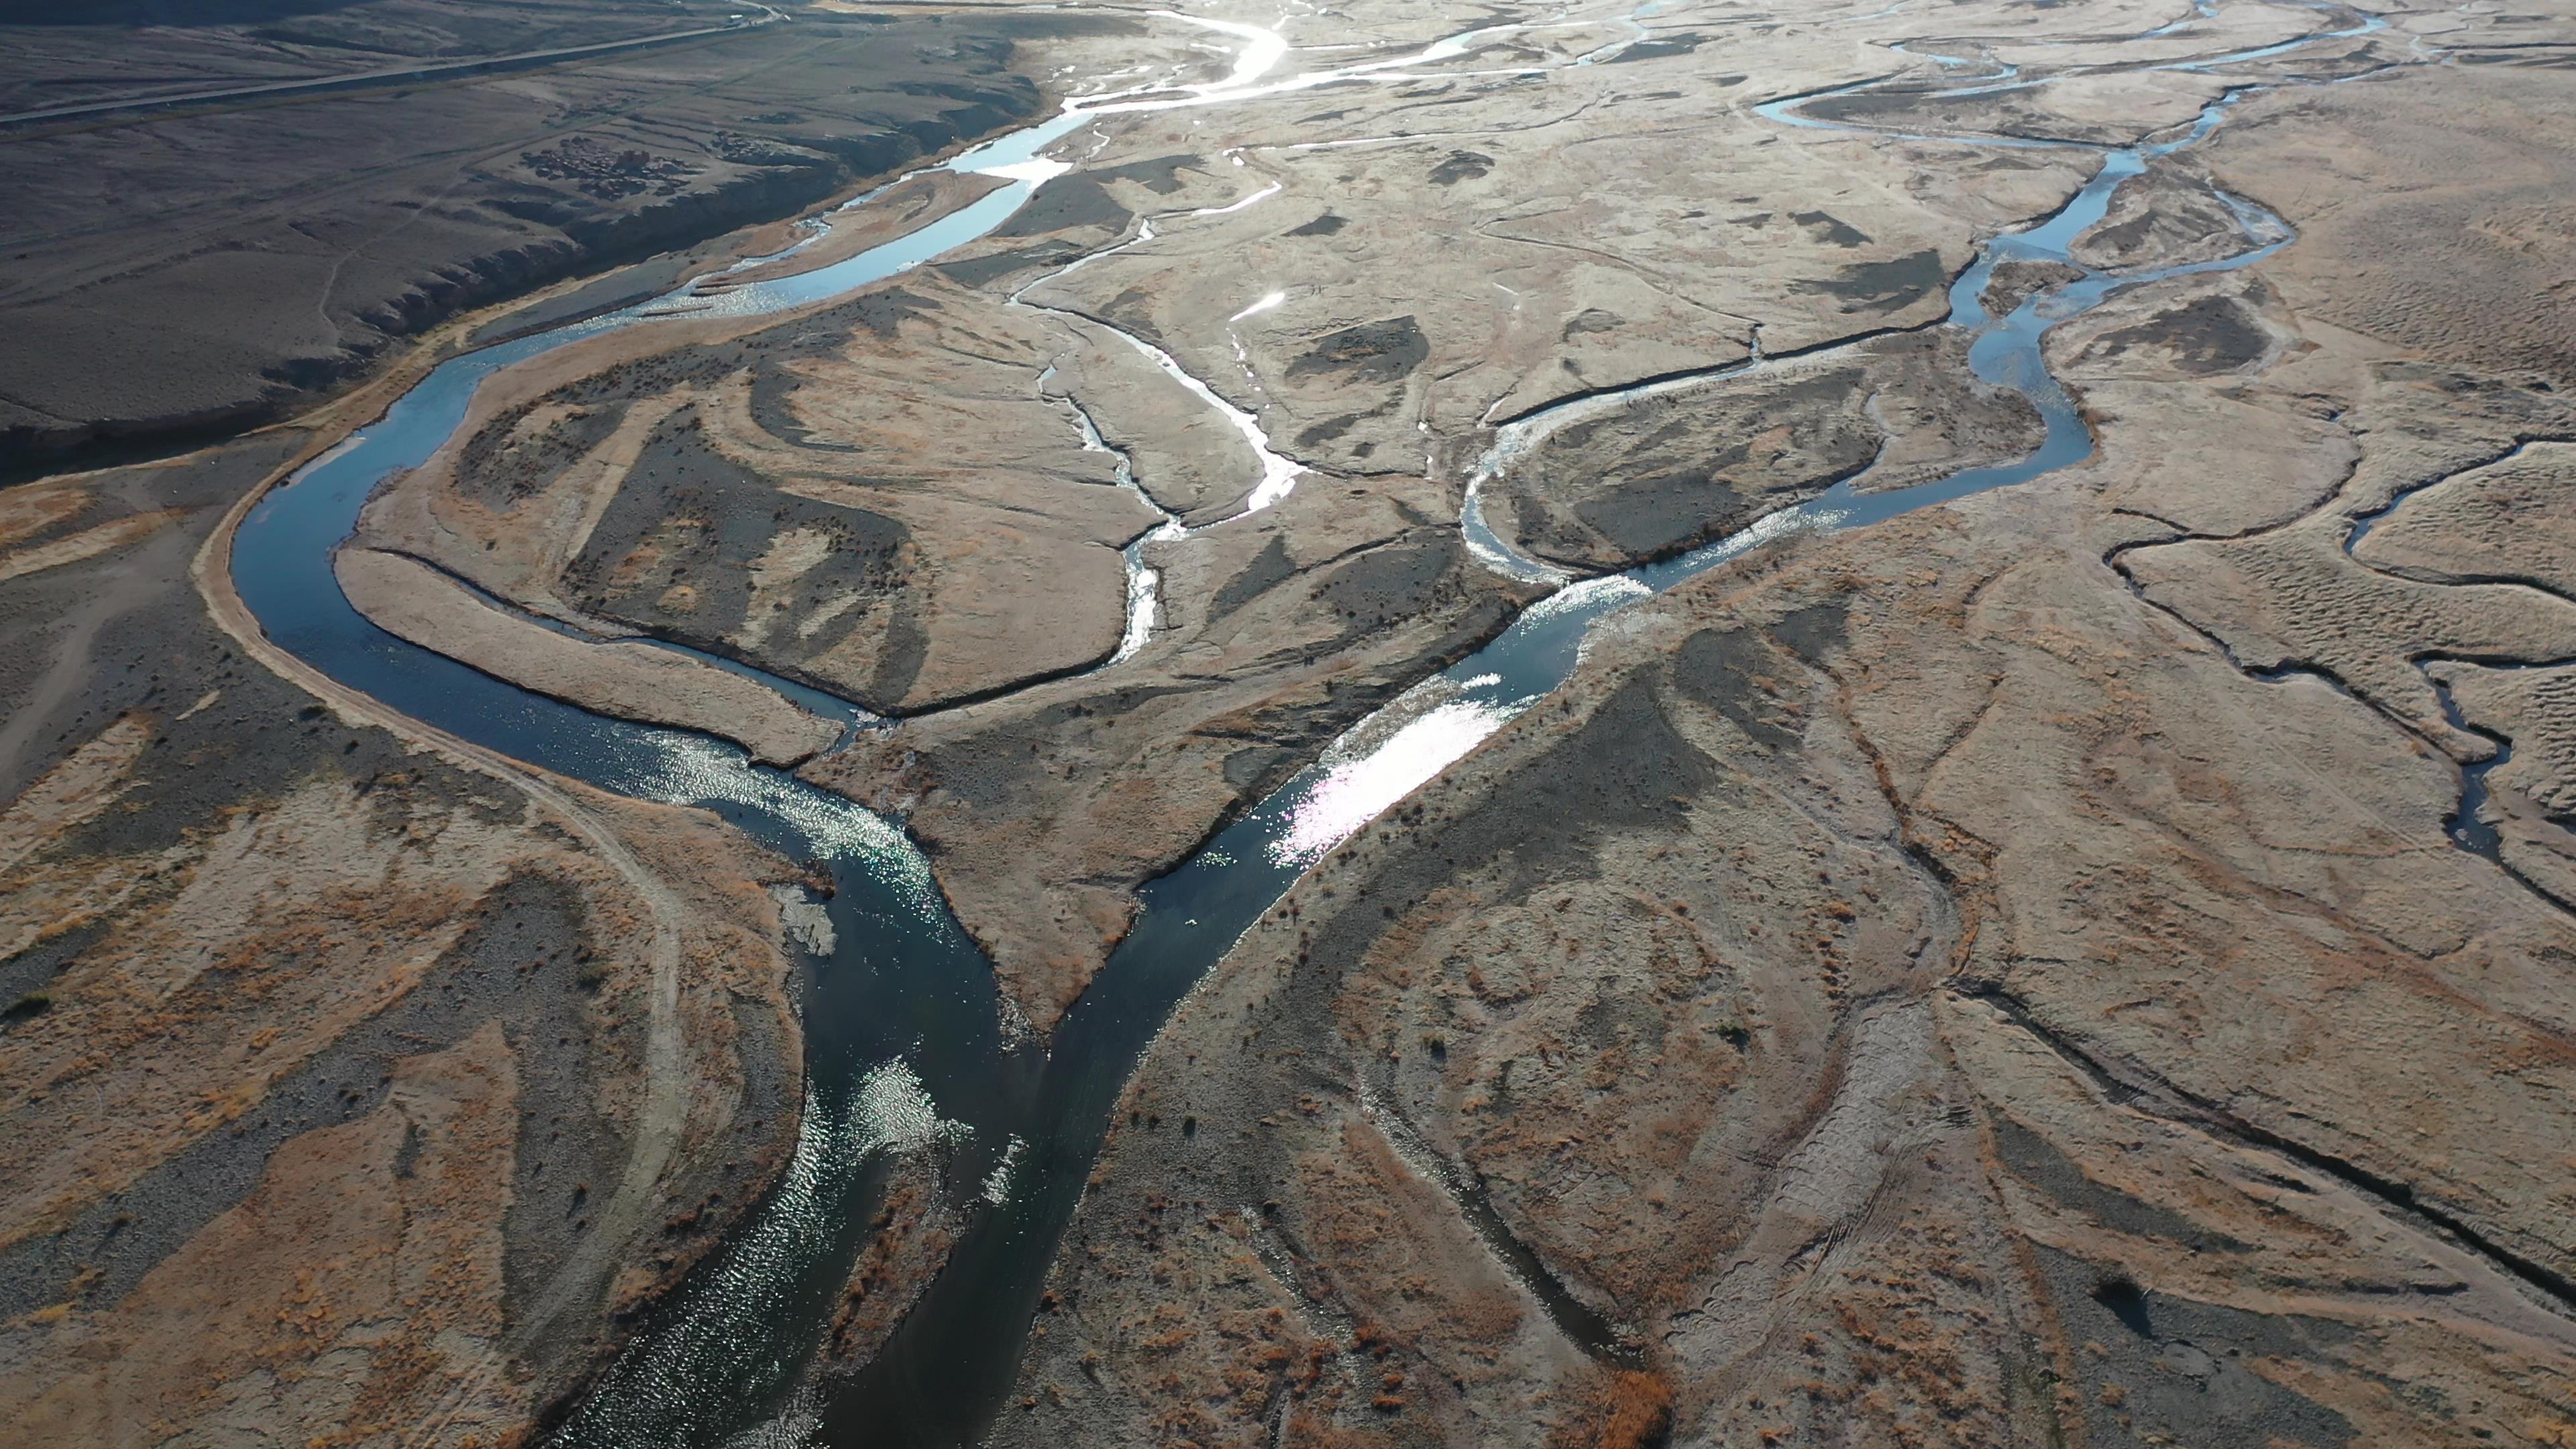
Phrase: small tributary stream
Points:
(906, 1043)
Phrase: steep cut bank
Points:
(296, 245)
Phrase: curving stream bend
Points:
(907, 1042)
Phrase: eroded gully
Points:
(908, 1046)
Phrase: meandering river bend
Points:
(906, 1047)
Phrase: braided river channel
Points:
(905, 1038)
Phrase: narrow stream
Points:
(2468, 825)
(908, 1046)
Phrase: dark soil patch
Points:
(1890, 286)
(2205, 336)
(1371, 352)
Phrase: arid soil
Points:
(1632, 481)
(95, 54)
(294, 242)
(894, 498)
(2083, 964)
(364, 1087)
(2003, 976)
(349, 1091)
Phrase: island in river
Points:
(1701, 724)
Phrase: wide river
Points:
(906, 1048)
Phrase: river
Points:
(906, 1043)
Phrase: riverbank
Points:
(550, 1066)
(387, 1036)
